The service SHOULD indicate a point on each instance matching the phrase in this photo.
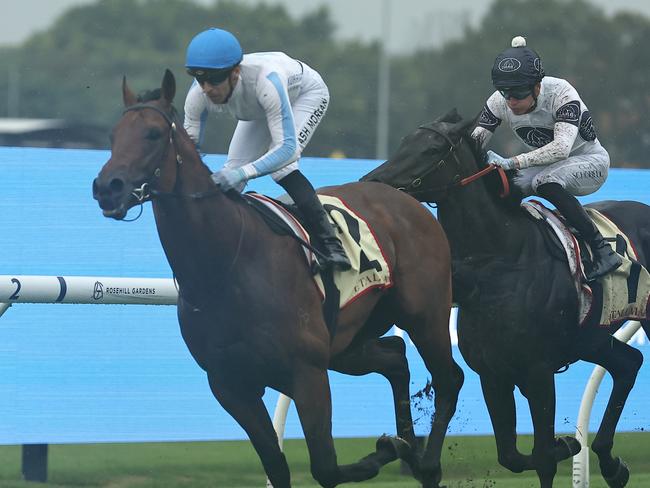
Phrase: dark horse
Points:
(249, 310)
(518, 314)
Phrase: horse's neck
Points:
(477, 225)
(200, 236)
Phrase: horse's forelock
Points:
(149, 95)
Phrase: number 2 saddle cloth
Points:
(621, 295)
(370, 268)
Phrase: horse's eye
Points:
(153, 134)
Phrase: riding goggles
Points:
(518, 93)
(210, 76)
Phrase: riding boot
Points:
(316, 221)
(604, 258)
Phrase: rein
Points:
(456, 181)
(145, 193)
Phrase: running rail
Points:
(581, 460)
(100, 290)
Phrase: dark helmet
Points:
(517, 66)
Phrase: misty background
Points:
(390, 65)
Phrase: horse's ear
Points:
(128, 96)
(168, 86)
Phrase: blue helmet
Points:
(517, 66)
(213, 49)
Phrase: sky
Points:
(412, 24)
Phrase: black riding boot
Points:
(315, 219)
(604, 258)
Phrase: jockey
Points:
(278, 102)
(565, 159)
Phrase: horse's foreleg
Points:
(247, 408)
(540, 392)
(623, 363)
(431, 338)
(500, 401)
(311, 395)
(386, 356)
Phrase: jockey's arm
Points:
(482, 135)
(283, 150)
(564, 135)
(196, 113)
(488, 120)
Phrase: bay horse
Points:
(518, 309)
(249, 310)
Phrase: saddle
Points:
(621, 295)
(338, 288)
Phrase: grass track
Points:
(468, 462)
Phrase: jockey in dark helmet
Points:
(565, 158)
(278, 102)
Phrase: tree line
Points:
(73, 70)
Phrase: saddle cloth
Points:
(621, 295)
(370, 268)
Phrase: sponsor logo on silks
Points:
(537, 64)
(508, 65)
(312, 121)
(98, 292)
(488, 120)
(587, 130)
(535, 136)
(569, 112)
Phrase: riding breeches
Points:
(579, 175)
(252, 138)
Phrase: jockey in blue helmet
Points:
(278, 102)
(564, 157)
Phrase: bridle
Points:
(456, 180)
(145, 192)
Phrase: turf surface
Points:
(468, 462)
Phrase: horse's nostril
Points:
(116, 185)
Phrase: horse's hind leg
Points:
(247, 408)
(311, 395)
(386, 356)
(623, 363)
(430, 334)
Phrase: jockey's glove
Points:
(505, 163)
(229, 178)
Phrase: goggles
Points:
(518, 93)
(210, 76)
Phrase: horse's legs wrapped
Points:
(247, 408)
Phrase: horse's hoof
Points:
(396, 445)
(620, 478)
(566, 447)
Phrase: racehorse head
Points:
(437, 158)
(144, 151)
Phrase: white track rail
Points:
(581, 460)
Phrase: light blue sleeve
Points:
(274, 98)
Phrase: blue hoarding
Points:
(112, 373)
